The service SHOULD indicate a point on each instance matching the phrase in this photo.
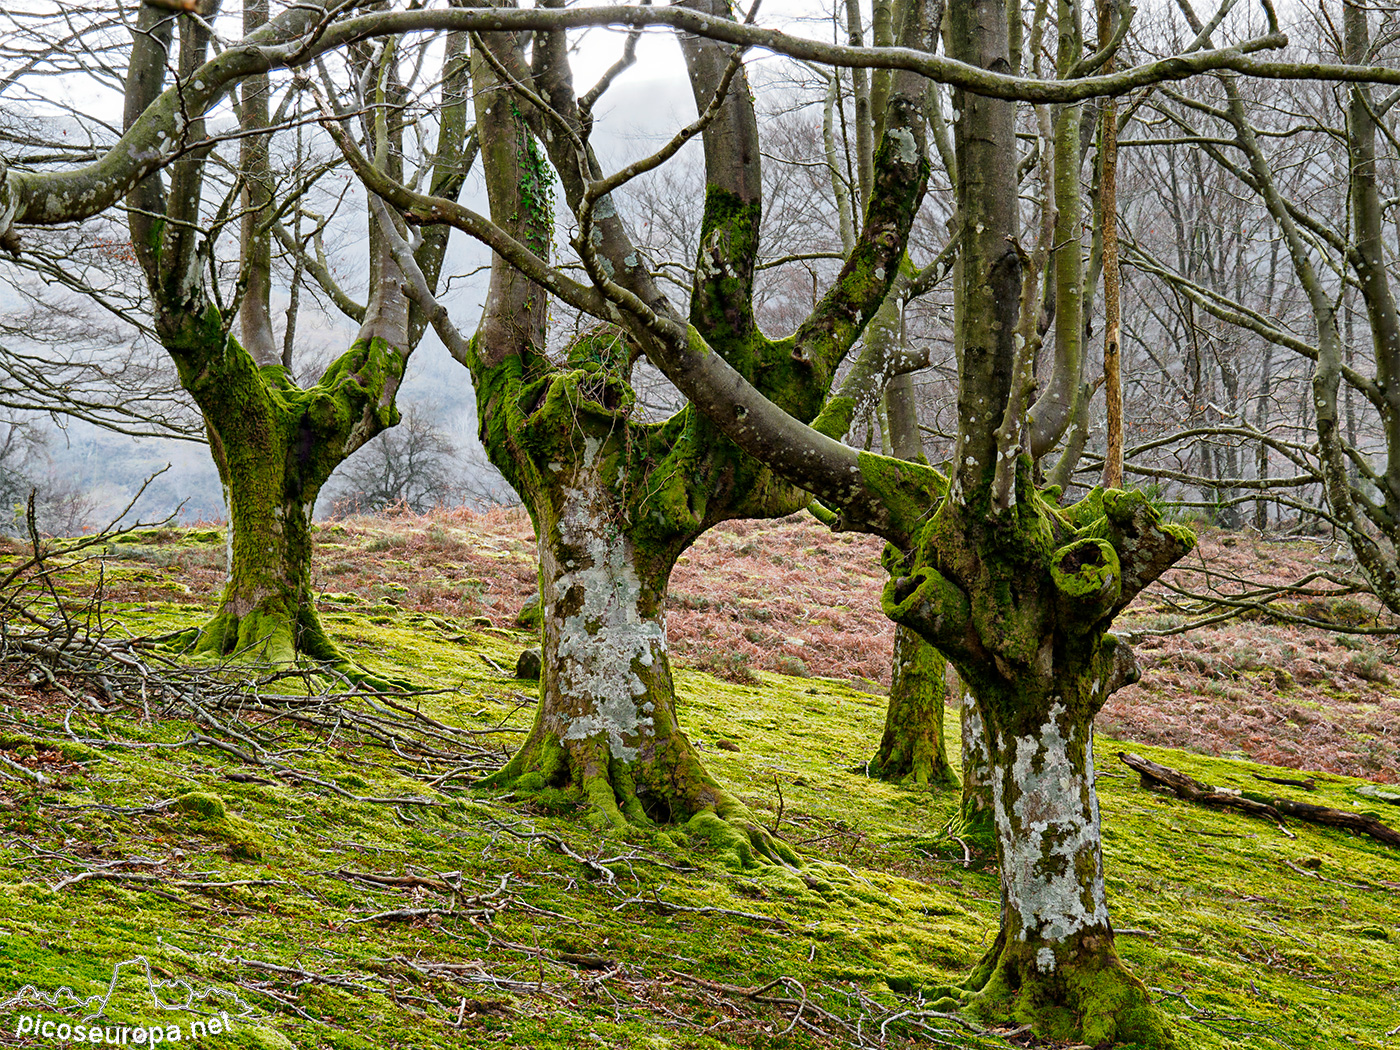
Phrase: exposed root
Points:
(1084, 997)
(668, 789)
(267, 639)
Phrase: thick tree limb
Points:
(1275, 809)
(945, 70)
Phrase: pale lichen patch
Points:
(1048, 822)
(601, 637)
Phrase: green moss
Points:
(1223, 909)
(201, 804)
(908, 491)
(836, 417)
(725, 841)
(1087, 571)
(208, 817)
(531, 615)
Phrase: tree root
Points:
(668, 793)
(262, 639)
(1091, 999)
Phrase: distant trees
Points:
(412, 465)
(1304, 269)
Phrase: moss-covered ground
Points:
(340, 893)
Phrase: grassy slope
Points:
(1253, 938)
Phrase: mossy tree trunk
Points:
(275, 446)
(605, 732)
(1021, 604)
(615, 501)
(1020, 597)
(1018, 593)
(912, 749)
(275, 443)
(975, 827)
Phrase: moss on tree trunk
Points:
(1021, 603)
(1054, 963)
(912, 749)
(276, 445)
(266, 611)
(605, 733)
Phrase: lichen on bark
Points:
(615, 500)
(1021, 603)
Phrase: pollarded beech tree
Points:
(616, 500)
(275, 442)
(1016, 591)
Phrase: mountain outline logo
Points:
(215, 1009)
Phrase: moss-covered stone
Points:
(206, 815)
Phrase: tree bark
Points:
(912, 749)
(976, 827)
(615, 501)
(1022, 610)
(275, 443)
(1112, 284)
(275, 446)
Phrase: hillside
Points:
(316, 865)
(792, 597)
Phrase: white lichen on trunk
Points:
(594, 607)
(1047, 817)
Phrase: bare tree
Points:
(412, 465)
(275, 441)
(616, 499)
(1314, 168)
(1017, 591)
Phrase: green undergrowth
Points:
(364, 899)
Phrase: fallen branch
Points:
(1274, 809)
(758, 995)
(24, 771)
(599, 868)
(1307, 785)
(668, 906)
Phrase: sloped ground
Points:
(795, 598)
(329, 890)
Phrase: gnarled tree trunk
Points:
(275, 443)
(615, 501)
(1022, 606)
(606, 731)
(275, 446)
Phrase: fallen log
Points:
(1268, 807)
